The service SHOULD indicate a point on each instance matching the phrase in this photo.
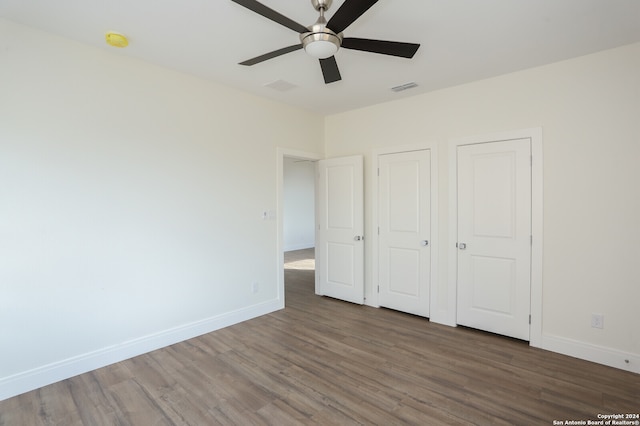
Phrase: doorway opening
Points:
(299, 273)
(296, 230)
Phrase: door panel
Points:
(493, 191)
(404, 268)
(405, 225)
(340, 258)
(494, 243)
(494, 284)
(340, 247)
(340, 204)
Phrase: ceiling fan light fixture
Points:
(321, 45)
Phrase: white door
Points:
(339, 242)
(404, 249)
(494, 237)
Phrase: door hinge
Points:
(378, 289)
(378, 171)
(531, 160)
(531, 239)
(529, 319)
(378, 230)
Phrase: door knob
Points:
(424, 242)
(462, 246)
(358, 238)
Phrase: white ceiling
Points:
(462, 40)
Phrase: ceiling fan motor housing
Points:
(320, 32)
(321, 4)
(320, 41)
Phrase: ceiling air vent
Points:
(404, 87)
(280, 85)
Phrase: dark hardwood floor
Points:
(323, 361)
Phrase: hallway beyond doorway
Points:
(300, 259)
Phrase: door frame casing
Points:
(535, 136)
(371, 293)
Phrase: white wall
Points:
(130, 205)
(589, 110)
(298, 204)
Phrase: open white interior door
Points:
(340, 239)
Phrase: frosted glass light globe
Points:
(321, 49)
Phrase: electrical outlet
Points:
(597, 320)
(255, 286)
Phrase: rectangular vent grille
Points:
(404, 87)
(280, 85)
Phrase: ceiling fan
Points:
(323, 39)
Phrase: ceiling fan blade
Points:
(348, 13)
(330, 70)
(271, 55)
(268, 13)
(393, 48)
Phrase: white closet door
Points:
(404, 248)
(494, 237)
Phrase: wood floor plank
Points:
(281, 412)
(95, 405)
(57, 405)
(136, 406)
(21, 410)
(321, 361)
(182, 409)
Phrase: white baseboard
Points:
(577, 349)
(594, 353)
(55, 372)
